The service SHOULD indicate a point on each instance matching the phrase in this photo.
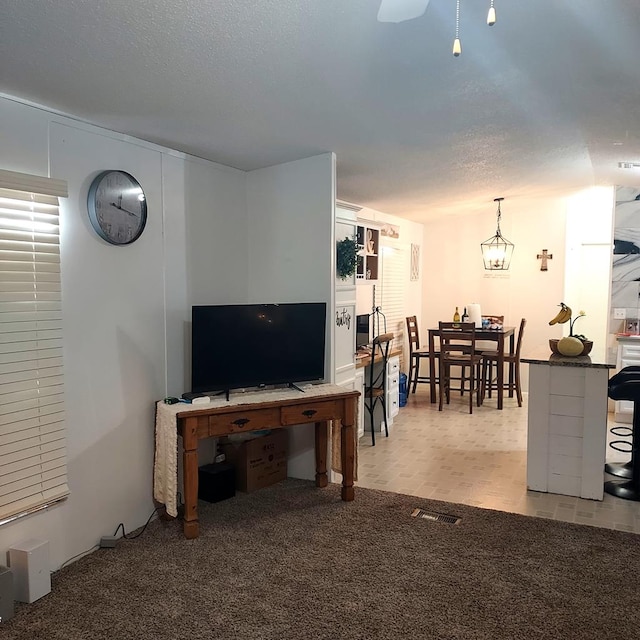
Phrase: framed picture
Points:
(390, 231)
(415, 262)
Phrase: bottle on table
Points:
(465, 315)
(456, 315)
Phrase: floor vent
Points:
(435, 516)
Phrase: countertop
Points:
(597, 359)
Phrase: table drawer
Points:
(242, 421)
(311, 412)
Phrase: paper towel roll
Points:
(475, 315)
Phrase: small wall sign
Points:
(343, 318)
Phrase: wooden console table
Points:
(245, 412)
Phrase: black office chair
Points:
(375, 390)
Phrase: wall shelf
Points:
(368, 240)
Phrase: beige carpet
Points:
(295, 562)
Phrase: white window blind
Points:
(33, 471)
(395, 274)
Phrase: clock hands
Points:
(117, 206)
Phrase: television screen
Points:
(237, 346)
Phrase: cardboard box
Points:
(259, 462)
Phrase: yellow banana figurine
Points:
(564, 315)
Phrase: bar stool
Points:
(626, 386)
(375, 388)
(416, 355)
(621, 469)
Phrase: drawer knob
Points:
(241, 421)
(309, 412)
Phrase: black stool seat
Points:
(625, 385)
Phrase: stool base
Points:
(619, 469)
(625, 490)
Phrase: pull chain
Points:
(491, 16)
(457, 47)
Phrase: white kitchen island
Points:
(567, 423)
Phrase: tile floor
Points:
(477, 459)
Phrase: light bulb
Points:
(457, 47)
(491, 17)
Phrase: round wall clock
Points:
(117, 207)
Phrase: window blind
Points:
(33, 470)
(395, 270)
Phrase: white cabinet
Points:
(567, 428)
(393, 388)
(628, 355)
(359, 386)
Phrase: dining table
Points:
(499, 336)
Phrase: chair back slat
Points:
(457, 338)
(458, 348)
(523, 323)
(412, 334)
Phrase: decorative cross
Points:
(544, 256)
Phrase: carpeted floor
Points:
(295, 562)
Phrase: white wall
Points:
(126, 310)
(291, 218)
(114, 355)
(290, 229)
(588, 261)
(454, 275)
(213, 235)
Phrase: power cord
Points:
(130, 537)
(78, 555)
(99, 546)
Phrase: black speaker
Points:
(216, 481)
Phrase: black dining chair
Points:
(458, 349)
(375, 389)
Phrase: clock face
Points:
(117, 207)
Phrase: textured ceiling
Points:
(545, 101)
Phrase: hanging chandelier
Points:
(497, 250)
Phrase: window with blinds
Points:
(33, 472)
(393, 298)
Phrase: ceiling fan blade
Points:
(401, 10)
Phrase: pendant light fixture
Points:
(491, 16)
(497, 250)
(457, 47)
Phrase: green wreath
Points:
(346, 257)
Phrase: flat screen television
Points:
(250, 345)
